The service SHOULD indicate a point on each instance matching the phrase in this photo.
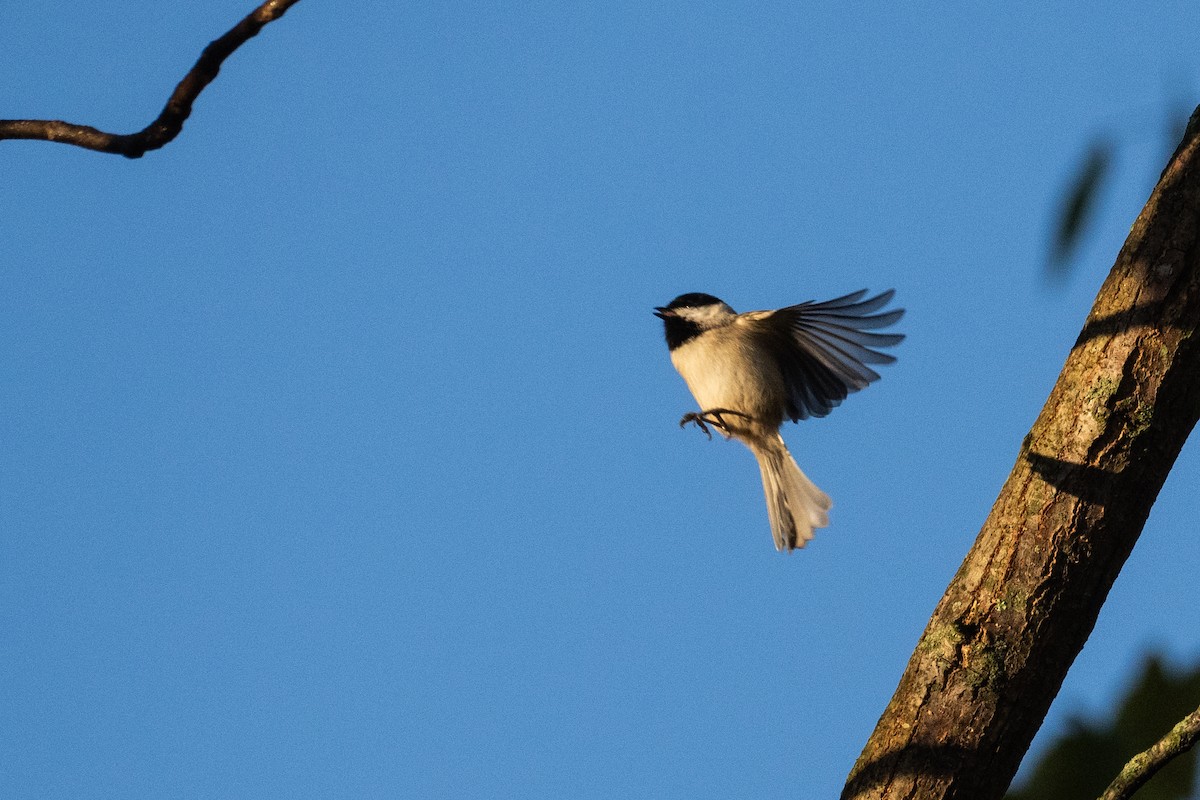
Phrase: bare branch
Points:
(170, 122)
(1027, 595)
(1143, 766)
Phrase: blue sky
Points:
(340, 454)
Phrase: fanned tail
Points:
(795, 505)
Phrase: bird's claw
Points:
(698, 419)
(712, 416)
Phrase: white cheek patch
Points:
(706, 316)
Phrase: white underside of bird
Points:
(725, 373)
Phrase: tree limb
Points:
(1028, 593)
(1143, 766)
(170, 122)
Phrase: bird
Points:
(749, 372)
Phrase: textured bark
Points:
(178, 108)
(1026, 598)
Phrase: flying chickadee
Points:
(749, 371)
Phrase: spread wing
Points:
(825, 348)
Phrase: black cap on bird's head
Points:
(681, 325)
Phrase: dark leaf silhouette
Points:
(1079, 203)
(1081, 763)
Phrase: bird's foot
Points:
(712, 416)
(698, 419)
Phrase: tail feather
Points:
(795, 505)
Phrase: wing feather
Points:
(827, 346)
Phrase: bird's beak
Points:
(663, 313)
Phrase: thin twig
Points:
(178, 108)
(1143, 766)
